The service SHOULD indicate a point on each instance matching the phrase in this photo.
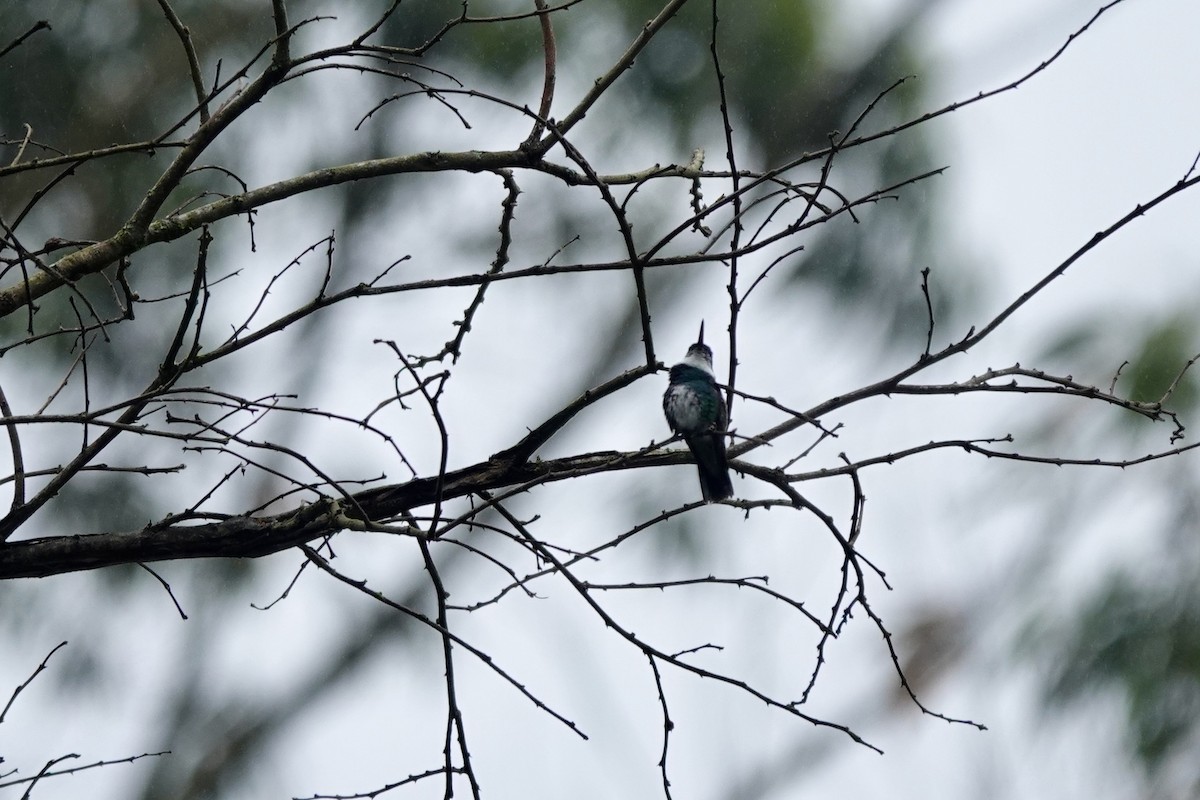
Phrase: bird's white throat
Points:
(699, 362)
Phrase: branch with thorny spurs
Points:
(252, 535)
(48, 769)
(1039, 383)
(142, 229)
(676, 660)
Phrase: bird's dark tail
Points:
(709, 451)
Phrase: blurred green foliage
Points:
(1156, 368)
(1144, 643)
(1137, 634)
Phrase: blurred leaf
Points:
(1145, 645)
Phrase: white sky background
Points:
(1034, 173)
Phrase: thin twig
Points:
(40, 667)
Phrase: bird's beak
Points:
(701, 339)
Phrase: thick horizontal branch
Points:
(256, 536)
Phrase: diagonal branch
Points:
(973, 337)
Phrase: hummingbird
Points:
(696, 411)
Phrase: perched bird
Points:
(696, 411)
